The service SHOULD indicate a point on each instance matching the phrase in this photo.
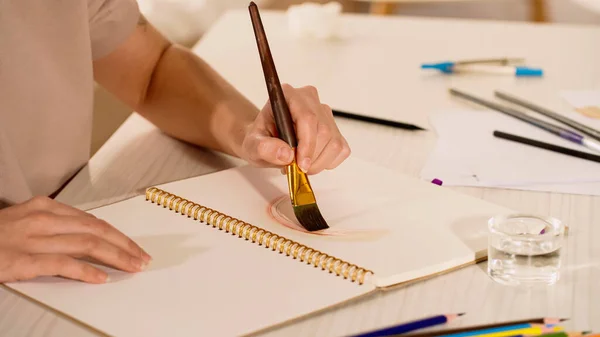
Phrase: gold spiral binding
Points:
(257, 235)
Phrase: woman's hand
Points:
(321, 146)
(42, 237)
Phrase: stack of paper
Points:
(467, 154)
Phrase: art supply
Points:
(301, 193)
(503, 61)
(450, 68)
(554, 129)
(508, 331)
(559, 334)
(375, 120)
(502, 66)
(518, 252)
(542, 320)
(565, 334)
(500, 61)
(548, 113)
(437, 182)
(213, 238)
(547, 146)
(411, 326)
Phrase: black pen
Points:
(374, 120)
(547, 146)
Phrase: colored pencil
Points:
(566, 334)
(492, 325)
(560, 334)
(547, 146)
(411, 326)
(551, 128)
(548, 113)
(506, 331)
(374, 120)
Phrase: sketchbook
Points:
(229, 258)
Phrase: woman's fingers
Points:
(87, 245)
(320, 144)
(29, 266)
(332, 149)
(332, 155)
(51, 224)
(306, 122)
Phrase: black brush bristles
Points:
(310, 217)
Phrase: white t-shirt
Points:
(47, 85)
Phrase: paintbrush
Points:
(301, 193)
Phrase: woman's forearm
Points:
(190, 101)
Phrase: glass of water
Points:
(525, 249)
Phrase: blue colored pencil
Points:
(411, 326)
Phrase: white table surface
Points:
(374, 69)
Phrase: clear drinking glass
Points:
(525, 249)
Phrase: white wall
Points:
(185, 20)
(564, 11)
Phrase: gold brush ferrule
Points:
(301, 192)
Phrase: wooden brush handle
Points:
(281, 111)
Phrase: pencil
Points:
(560, 334)
(547, 146)
(374, 120)
(565, 334)
(542, 320)
(546, 112)
(411, 326)
(501, 61)
(507, 331)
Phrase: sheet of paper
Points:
(467, 153)
(208, 282)
(569, 188)
(587, 105)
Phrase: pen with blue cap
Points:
(501, 66)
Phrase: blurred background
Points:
(185, 21)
